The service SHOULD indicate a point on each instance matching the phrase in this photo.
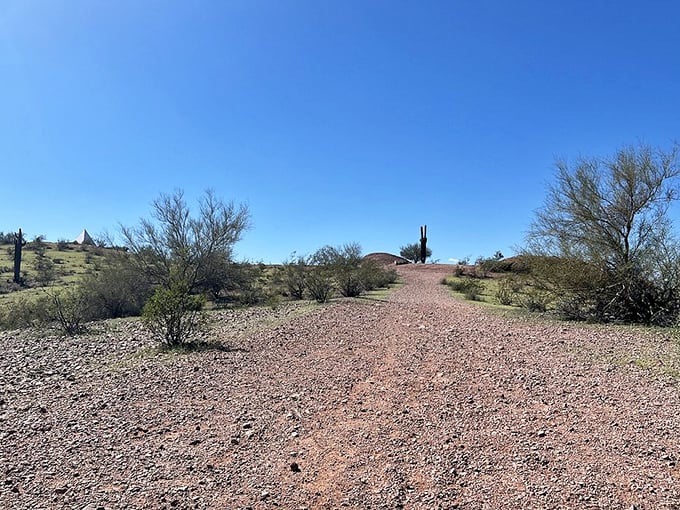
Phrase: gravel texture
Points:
(420, 401)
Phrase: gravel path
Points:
(420, 401)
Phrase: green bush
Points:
(348, 281)
(509, 289)
(535, 300)
(69, 308)
(24, 313)
(319, 284)
(174, 315)
(471, 288)
(117, 289)
(253, 284)
(293, 277)
(44, 268)
(573, 308)
(63, 245)
(374, 276)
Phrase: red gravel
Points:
(418, 402)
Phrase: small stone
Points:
(294, 467)
(541, 433)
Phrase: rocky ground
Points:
(419, 401)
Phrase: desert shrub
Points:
(342, 264)
(246, 284)
(69, 308)
(349, 281)
(319, 284)
(252, 290)
(37, 245)
(638, 298)
(509, 289)
(45, 272)
(374, 276)
(573, 308)
(25, 313)
(225, 281)
(177, 245)
(535, 300)
(173, 315)
(117, 289)
(456, 284)
(62, 245)
(471, 288)
(7, 237)
(293, 277)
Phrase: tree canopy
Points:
(612, 214)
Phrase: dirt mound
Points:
(386, 259)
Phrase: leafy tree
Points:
(412, 252)
(175, 250)
(175, 246)
(610, 215)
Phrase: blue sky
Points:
(334, 121)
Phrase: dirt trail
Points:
(417, 402)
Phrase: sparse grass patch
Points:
(383, 293)
(472, 289)
(70, 268)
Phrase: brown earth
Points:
(386, 259)
(419, 401)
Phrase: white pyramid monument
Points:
(84, 238)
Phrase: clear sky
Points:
(333, 120)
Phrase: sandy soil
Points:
(419, 401)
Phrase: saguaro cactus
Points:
(423, 243)
(19, 242)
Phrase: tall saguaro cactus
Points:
(19, 242)
(423, 243)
